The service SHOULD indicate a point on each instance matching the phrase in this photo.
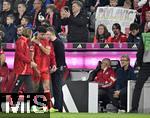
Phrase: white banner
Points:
(110, 15)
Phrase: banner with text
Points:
(110, 15)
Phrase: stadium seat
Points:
(115, 64)
(93, 73)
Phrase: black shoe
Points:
(133, 111)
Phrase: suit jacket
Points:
(77, 28)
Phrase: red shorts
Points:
(43, 76)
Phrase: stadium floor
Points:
(74, 115)
(98, 115)
(24, 115)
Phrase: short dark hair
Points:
(22, 3)
(134, 26)
(117, 25)
(8, 1)
(11, 16)
(42, 29)
(27, 32)
(27, 18)
(79, 3)
(18, 26)
(51, 29)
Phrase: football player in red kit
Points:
(42, 59)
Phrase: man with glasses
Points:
(125, 73)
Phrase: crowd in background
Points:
(73, 20)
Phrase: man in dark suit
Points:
(77, 23)
(57, 74)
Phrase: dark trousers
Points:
(22, 79)
(121, 102)
(144, 73)
(57, 81)
(104, 96)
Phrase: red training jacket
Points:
(22, 62)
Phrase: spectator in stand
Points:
(1, 6)
(2, 34)
(119, 37)
(19, 31)
(113, 3)
(102, 34)
(10, 30)
(145, 6)
(123, 74)
(146, 25)
(64, 28)
(53, 17)
(127, 4)
(134, 35)
(21, 11)
(106, 78)
(38, 14)
(97, 3)
(28, 3)
(77, 23)
(5, 11)
(60, 4)
(25, 21)
(135, 4)
(47, 2)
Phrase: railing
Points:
(89, 46)
(86, 55)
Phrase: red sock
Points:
(49, 102)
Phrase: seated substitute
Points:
(106, 79)
(123, 74)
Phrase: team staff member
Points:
(143, 63)
(57, 76)
(106, 78)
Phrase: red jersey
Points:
(120, 39)
(104, 77)
(59, 4)
(22, 62)
(95, 40)
(40, 58)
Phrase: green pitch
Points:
(98, 115)
(24, 115)
(73, 115)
